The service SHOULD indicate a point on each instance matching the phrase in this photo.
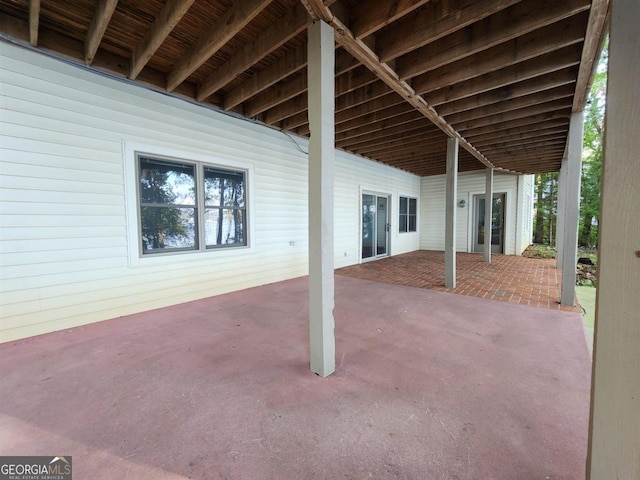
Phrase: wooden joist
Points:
(34, 21)
(99, 24)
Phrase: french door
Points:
(375, 226)
(497, 224)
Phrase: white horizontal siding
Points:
(64, 244)
(432, 198)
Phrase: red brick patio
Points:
(508, 278)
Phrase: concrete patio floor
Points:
(429, 385)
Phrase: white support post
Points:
(488, 214)
(571, 210)
(450, 221)
(560, 208)
(614, 433)
(321, 55)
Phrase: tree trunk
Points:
(585, 232)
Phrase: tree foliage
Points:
(592, 156)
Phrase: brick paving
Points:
(513, 279)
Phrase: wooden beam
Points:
(545, 40)
(514, 104)
(552, 106)
(296, 108)
(276, 35)
(594, 39)
(515, 21)
(224, 29)
(544, 137)
(528, 87)
(532, 68)
(387, 125)
(407, 143)
(366, 18)
(164, 23)
(435, 21)
(293, 61)
(390, 135)
(278, 94)
(531, 131)
(34, 21)
(99, 23)
(520, 122)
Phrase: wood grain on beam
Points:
(34, 21)
(368, 17)
(520, 19)
(545, 40)
(276, 35)
(99, 23)
(535, 67)
(532, 119)
(436, 20)
(425, 143)
(514, 104)
(517, 132)
(383, 138)
(293, 61)
(278, 94)
(224, 29)
(391, 126)
(596, 29)
(512, 115)
(164, 23)
(542, 136)
(535, 85)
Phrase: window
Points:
(408, 214)
(190, 206)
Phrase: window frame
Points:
(406, 227)
(132, 154)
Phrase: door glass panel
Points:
(480, 222)
(368, 225)
(381, 226)
(496, 221)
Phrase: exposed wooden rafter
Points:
(162, 26)
(224, 29)
(34, 21)
(99, 24)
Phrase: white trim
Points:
(130, 150)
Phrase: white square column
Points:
(450, 221)
(614, 434)
(321, 61)
(571, 215)
(488, 214)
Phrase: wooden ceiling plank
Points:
(392, 126)
(34, 21)
(542, 136)
(399, 144)
(363, 95)
(294, 61)
(518, 132)
(224, 29)
(515, 114)
(513, 104)
(437, 20)
(99, 23)
(505, 25)
(542, 41)
(553, 114)
(171, 13)
(529, 69)
(366, 18)
(292, 114)
(594, 38)
(527, 87)
(390, 134)
(272, 38)
(277, 95)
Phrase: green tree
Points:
(592, 156)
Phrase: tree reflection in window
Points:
(167, 205)
(225, 207)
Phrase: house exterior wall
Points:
(432, 206)
(67, 199)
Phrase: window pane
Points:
(403, 205)
(167, 228)
(412, 223)
(224, 227)
(224, 188)
(402, 222)
(166, 183)
(413, 206)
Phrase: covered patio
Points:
(428, 385)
